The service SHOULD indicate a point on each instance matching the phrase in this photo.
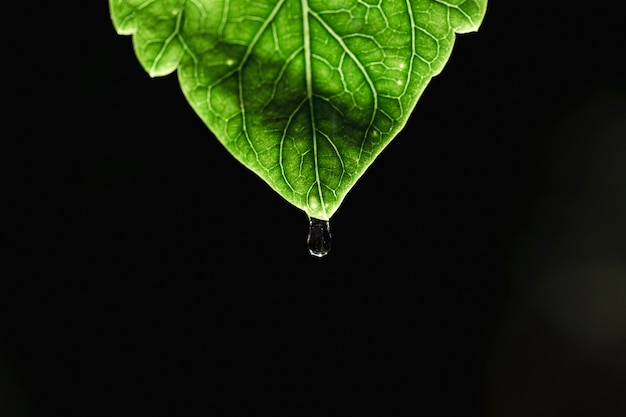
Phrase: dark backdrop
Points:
(478, 268)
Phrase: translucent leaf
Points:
(305, 93)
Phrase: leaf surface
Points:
(305, 93)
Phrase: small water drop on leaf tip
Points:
(319, 239)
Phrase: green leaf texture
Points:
(305, 93)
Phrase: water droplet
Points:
(319, 239)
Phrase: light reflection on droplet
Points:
(319, 239)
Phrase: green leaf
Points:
(305, 93)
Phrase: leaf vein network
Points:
(284, 137)
(361, 68)
(457, 8)
(239, 69)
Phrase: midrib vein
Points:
(306, 35)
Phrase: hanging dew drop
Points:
(319, 239)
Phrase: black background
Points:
(478, 267)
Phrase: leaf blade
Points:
(305, 93)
